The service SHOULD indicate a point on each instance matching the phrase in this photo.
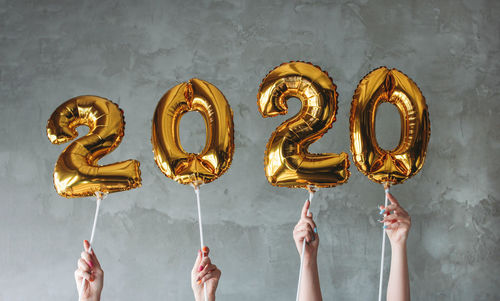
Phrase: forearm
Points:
(398, 288)
(309, 286)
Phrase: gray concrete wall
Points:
(134, 51)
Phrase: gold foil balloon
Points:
(76, 173)
(215, 158)
(287, 160)
(397, 165)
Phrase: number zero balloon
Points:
(216, 157)
(287, 160)
(76, 173)
(397, 165)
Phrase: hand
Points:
(204, 272)
(306, 229)
(397, 221)
(89, 268)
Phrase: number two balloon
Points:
(76, 173)
(287, 161)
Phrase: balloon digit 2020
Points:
(216, 156)
(76, 173)
(394, 166)
(287, 160)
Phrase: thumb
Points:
(86, 245)
(305, 208)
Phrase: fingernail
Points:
(382, 211)
(385, 226)
(91, 264)
(205, 249)
(315, 230)
(200, 269)
(199, 281)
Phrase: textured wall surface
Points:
(133, 51)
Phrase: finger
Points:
(205, 251)
(206, 270)
(392, 226)
(392, 218)
(405, 220)
(392, 199)
(302, 226)
(303, 230)
(310, 221)
(82, 274)
(310, 233)
(78, 277)
(307, 234)
(309, 237)
(82, 265)
(88, 258)
(92, 259)
(305, 208)
(214, 274)
(389, 217)
(204, 262)
(86, 245)
(389, 208)
(95, 261)
(206, 278)
(197, 262)
(403, 216)
(401, 211)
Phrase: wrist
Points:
(310, 260)
(199, 297)
(211, 297)
(399, 246)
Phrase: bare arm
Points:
(306, 229)
(398, 223)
